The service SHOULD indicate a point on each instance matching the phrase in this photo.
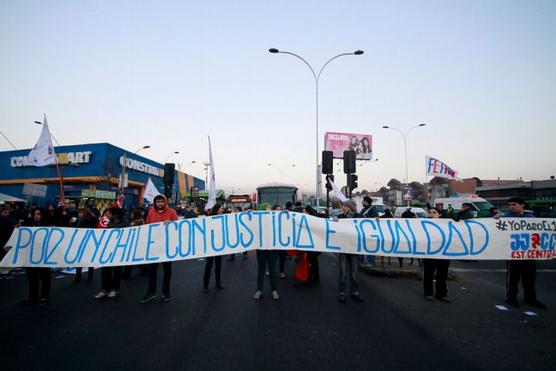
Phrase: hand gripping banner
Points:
(476, 239)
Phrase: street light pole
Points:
(281, 169)
(317, 78)
(404, 137)
(144, 147)
(170, 155)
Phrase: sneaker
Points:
(444, 300)
(43, 302)
(275, 295)
(219, 287)
(258, 295)
(112, 294)
(357, 297)
(147, 298)
(429, 298)
(101, 295)
(267, 273)
(282, 275)
(166, 298)
(535, 303)
(341, 297)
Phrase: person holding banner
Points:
(266, 262)
(159, 212)
(216, 210)
(348, 262)
(437, 269)
(524, 270)
(85, 220)
(111, 277)
(38, 277)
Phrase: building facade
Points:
(90, 171)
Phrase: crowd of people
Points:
(271, 263)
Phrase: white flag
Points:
(212, 187)
(338, 192)
(42, 153)
(440, 169)
(123, 175)
(150, 191)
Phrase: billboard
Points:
(362, 144)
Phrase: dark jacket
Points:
(466, 214)
(369, 212)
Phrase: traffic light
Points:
(353, 181)
(328, 185)
(327, 162)
(349, 162)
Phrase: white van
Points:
(480, 205)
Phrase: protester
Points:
(313, 256)
(266, 259)
(466, 211)
(111, 277)
(85, 220)
(159, 212)
(282, 253)
(524, 270)
(7, 226)
(39, 278)
(136, 221)
(407, 214)
(348, 262)
(213, 260)
(437, 269)
(368, 211)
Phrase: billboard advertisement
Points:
(362, 144)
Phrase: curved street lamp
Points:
(404, 137)
(144, 147)
(317, 78)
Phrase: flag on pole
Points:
(212, 187)
(440, 169)
(337, 192)
(123, 181)
(150, 191)
(42, 153)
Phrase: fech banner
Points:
(477, 239)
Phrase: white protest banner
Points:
(439, 169)
(476, 239)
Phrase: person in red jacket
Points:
(159, 212)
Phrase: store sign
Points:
(37, 190)
(83, 157)
(141, 166)
(95, 193)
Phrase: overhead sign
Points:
(96, 193)
(83, 157)
(36, 190)
(362, 144)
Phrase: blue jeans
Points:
(348, 268)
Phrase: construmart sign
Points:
(141, 166)
(95, 193)
(83, 157)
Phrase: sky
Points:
(480, 74)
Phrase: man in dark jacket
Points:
(7, 225)
(524, 270)
(466, 211)
(369, 211)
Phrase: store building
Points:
(87, 171)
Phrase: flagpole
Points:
(61, 180)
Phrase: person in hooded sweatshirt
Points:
(39, 277)
(159, 212)
(217, 260)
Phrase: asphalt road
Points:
(306, 329)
